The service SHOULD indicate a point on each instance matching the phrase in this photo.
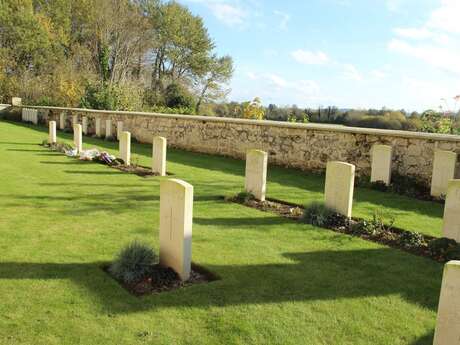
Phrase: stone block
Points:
(62, 118)
(119, 129)
(78, 137)
(159, 156)
(381, 163)
(16, 101)
(443, 171)
(74, 120)
(447, 330)
(84, 125)
(98, 127)
(108, 129)
(340, 179)
(256, 173)
(451, 220)
(125, 147)
(176, 214)
(51, 132)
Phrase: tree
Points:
(253, 110)
(211, 82)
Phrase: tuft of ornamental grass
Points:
(133, 262)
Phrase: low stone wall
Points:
(304, 146)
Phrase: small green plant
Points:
(444, 247)
(133, 262)
(374, 226)
(244, 197)
(319, 214)
(411, 239)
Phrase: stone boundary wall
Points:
(304, 146)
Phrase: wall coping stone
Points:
(270, 123)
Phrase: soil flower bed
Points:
(438, 249)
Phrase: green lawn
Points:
(282, 282)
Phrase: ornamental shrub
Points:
(133, 262)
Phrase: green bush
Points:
(320, 215)
(442, 246)
(374, 226)
(177, 96)
(244, 197)
(133, 262)
(412, 239)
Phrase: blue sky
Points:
(348, 53)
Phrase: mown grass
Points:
(282, 282)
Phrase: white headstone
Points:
(448, 322)
(23, 114)
(340, 179)
(84, 125)
(78, 137)
(98, 127)
(381, 163)
(256, 173)
(119, 129)
(34, 116)
(74, 120)
(176, 214)
(443, 171)
(159, 156)
(451, 221)
(62, 118)
(108, 129)
(125, 147)
(52, 132)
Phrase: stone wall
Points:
(304, 146)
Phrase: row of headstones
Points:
(176, 218)
(158, 152)
(339, 189)
(176, 203)
(29, 115)
(444, 164)
(339, 196)
(99, 132)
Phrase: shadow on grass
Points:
(312, 276)
(305, 182)
(425, 340)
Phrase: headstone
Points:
(125, 147)
(23, 114)
(34, 116)
(16, 101)
(52, 132)
(381, 163)
(159, 156)
(176, 214)
(84, 125)
(448, 322)
(78, 137)
(256, 173)
(108, 129)
(119, 129)
(74, 120)
(340, 178)
(62, 119)
(98, 127)
(443, 171)
(451, 221)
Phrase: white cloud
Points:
(351, 72)
(310, 58)
(276, 87)
(378, 74)
(446, 17)
(284, 19)
(446, 59)
(437, 42)
(228, 14)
